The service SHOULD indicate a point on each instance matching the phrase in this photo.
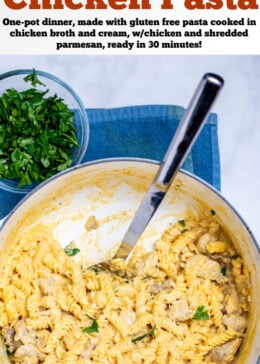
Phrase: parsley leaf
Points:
(150, 333)
(200, 314)
(91, 328)
(8, 352)
(182, 222)
(33, 79)
(71, 250)
(223, 270)
(213, 212)
(235, 256)
(95, 270)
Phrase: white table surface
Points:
(114, 81)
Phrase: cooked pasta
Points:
(187, 303)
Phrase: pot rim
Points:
(128, 159)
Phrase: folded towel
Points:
(143, 132)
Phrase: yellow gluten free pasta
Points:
(188, 302)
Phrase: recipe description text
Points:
(119, 33)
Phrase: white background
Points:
(112, 81)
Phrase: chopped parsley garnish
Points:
(9, 353)
(37, 134)
(71, 250)
(184, 231)
(32, 77)
(182, 222)
(92, 328)
(95, 270)
(235, 256)
(213, 212)
(150, 333)
(223, 270)
(201, 314)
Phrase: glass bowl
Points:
(15, 79)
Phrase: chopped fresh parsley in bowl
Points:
(43, 128)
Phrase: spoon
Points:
(183, 139)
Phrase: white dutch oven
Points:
(111, 190)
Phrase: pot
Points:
(111, 190)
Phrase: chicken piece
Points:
(179, 310)
(231, 302)
(91, 223)
(235, 321)
(203, 241)
(29, 354)
(128, 317)
(3, 354)
(90, 347)
(225, 353)
(155, 288)
(149, 262)
(23, 334)
(169, 283)
(204, 267)
(8, 334)
(52, 283)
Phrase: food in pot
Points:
(188, 302)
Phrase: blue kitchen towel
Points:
(144, 132)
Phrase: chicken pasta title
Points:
(129, 4)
